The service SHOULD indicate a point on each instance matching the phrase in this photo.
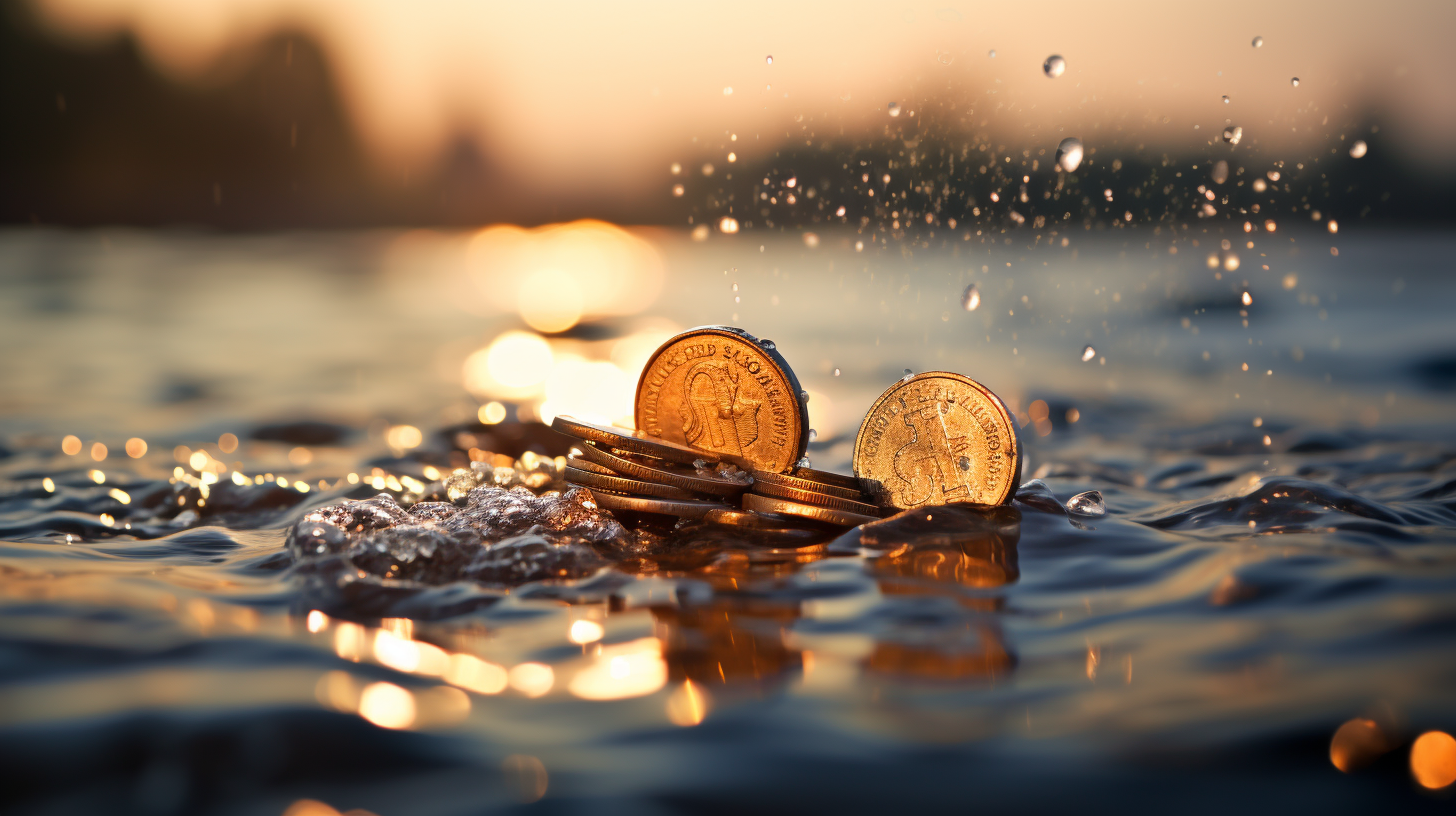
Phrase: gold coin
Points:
(825, 477)
(617, 484)
(794, 480)
(665, 507)
(628, 440)
(769, 504)
(683, 477)
(938, 438)
(811, 497)
(581, 463)
(750, 519)
(721, 390)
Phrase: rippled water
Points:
(1277, 556)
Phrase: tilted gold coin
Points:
(683, 477)
(721, 390)
(581, 463)
(664, 507)
(825, 477)
(617, 484)
(769, 504)
(628, 440)
(938, 438)
(800, 483)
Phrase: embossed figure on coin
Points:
(935, 439)
(719, 390)
(716, 416)
(934, 459)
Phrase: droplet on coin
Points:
(1087, 504)
(937, 438)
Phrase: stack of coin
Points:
(631, 471)
(817, 495)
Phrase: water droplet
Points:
(1294, 81)
(971, 298)
(1107, 194)
(1054, 66)
(1225, 99)
(1258, 42)
(1248, 299)
(803, 396)
(767, 344)
(1088, 353)
(1357, 150)
(1233, 134)
(1219, 173)
(907, 375)
(728, 225)
(769, 59)
(964, 463)
(735, 287)
(804, 463)
(894, 109)
(1087, 504)
(993, 53)
(813, 434)
(1069, 153)
(836, 372)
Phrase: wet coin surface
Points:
(721, 390)
(664, 507)
(798, 482)
(938, 438)
(628, 440)
(683, 477)
(829, 515)
(815, 498)
(618, 484)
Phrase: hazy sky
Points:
(598, 94)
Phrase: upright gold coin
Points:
(721, 390)
(938, 438)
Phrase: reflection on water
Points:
(1261, 610)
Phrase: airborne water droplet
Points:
(1087, 504)
(769, 59)
(993, 53)
(1225, 99)
(1069, 153)
(894, 109)
(971, 299)
(836, 372)
(1357, 150)
(1233, 134)
(1258, 42)
(1294, 81)
(1248, 299)
(1219, 173)
(1088, 353)
(1054, 66)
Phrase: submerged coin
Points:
(665, 507)
(627, 440)
(829, 515)
(683, 477)
(617, 484)
(721, 390)
(798, 482)
(813, 497)
(938, 438)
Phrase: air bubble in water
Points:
(1357, 150)
(1087, 504)
(1225, 99)
(1088, 353)
(894, 109)
(1054, 66)
(971, 298)
(769, 59)
(1219, 173)
(1258, 42)
(1294, 81)
(1233, 134)
(1069, 153)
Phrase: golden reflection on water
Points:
(1433, 759)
